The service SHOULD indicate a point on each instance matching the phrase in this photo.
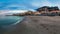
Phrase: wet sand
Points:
(36, 25)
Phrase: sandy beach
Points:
(36, 25)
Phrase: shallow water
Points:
(8, 20)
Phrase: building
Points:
(48, 9)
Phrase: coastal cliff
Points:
(37, 25)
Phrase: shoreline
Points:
(18, 21)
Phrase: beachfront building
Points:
(36, 13)
(46, 9)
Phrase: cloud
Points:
(39, 3)
(11, 11)
(27, 4)
(15, 6)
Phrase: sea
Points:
(8, 20)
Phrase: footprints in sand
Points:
(50, 28)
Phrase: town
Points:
(42, 11)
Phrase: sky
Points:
(26, 4)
